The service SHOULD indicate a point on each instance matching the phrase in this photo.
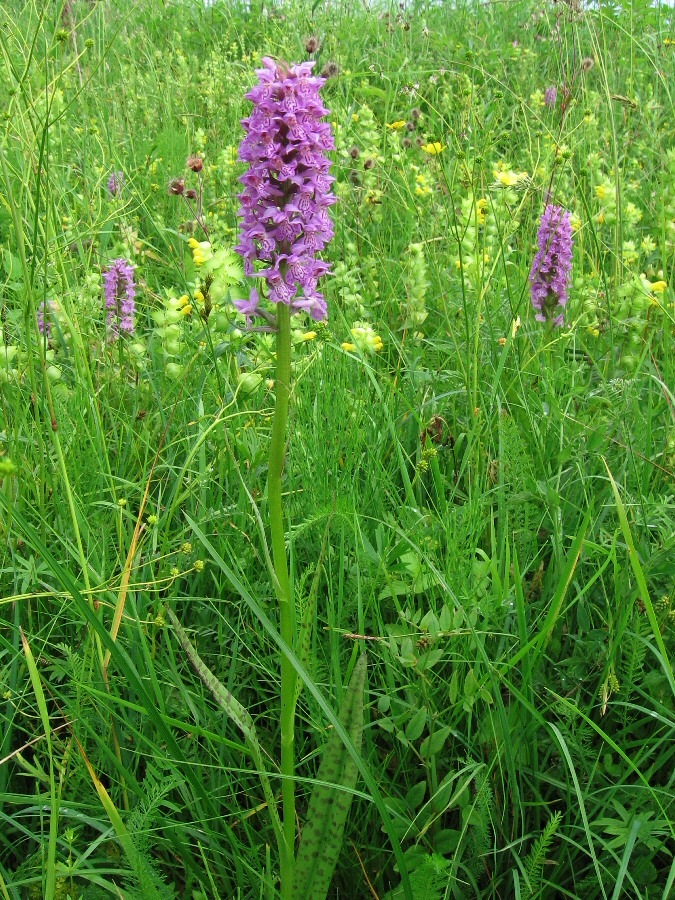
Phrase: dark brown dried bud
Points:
(415, 114)
(368, 164)
(176, 187)
(330, 70)
(354, 176)
(191, 194)
(419, 141)
(312, 44)
(194, 163)
(407, 143)
(409, 126)
(355, 153)
(587, 64)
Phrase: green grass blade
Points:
(136, 861)
(641, 581)
(50, 873)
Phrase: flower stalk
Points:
(284, 595)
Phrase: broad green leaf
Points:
(415, 726)
(434, 743)
(331, 798)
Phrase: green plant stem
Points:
(283, 589)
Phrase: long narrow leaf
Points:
(641, 580)
(50, 874)
(331, 798)
(239, 715)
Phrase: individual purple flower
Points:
(550, 96)
(116, 183)
(250, 307)
(284, 204)
(44, 325)
(552, 265)
(120, 290)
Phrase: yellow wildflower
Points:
(201, 251)
(481, 206)
(299, 336)
(434, 148)
(658, 287)
(510, 179)
(601, 191)
(364, 339)
(397, 126)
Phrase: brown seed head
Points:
(176, 187)
(355, 153)
(191, 194)
(330, 70)
(312, 44)
(587, 64)
(368, 163)
(194, 163)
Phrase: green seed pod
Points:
(173, 371)
(249, 382)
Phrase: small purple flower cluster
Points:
(284, 204)
(552, 265)
(116, 183)
(550, 96)
(120, 290)
(44, 326)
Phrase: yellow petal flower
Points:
(397, 126)
(434, 148)
(659, 287)
(510, 179)
(348, 347)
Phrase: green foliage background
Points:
(496, 500)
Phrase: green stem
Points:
(282, 387)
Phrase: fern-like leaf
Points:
(534, 864)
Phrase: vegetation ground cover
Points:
(481, 502)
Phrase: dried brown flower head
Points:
(330, 70)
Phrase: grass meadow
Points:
(481, 503)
